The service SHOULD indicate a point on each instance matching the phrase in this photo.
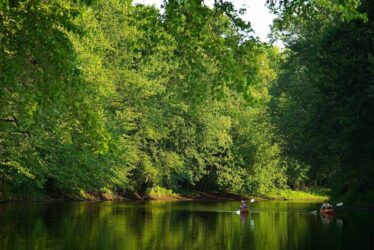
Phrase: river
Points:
(270, 225)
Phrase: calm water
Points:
(181, 225)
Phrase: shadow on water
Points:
(180, 225)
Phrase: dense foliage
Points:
(323, 104)
(107, 97)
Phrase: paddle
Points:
(251, 201)
(337, 205)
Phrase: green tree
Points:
(322, 102)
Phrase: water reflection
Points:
(339, 223)
(326, 218)
(244, 217)
(178, 225)
(252, 225)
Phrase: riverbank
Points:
(307, 194)
(159, 193)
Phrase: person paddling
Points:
(244, 212)
(325, 206)
(243, 206)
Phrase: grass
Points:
(162, 193)
(281, 194)
(309, 194)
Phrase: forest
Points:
(111, 98)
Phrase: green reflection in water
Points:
(180, 225)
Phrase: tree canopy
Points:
(104, 96)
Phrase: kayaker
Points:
(325, 205)
(243, 205)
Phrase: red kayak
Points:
(244, 211)
(327, 211)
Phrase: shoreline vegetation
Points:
(278, 195)
(159, 193)
(108, 100)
